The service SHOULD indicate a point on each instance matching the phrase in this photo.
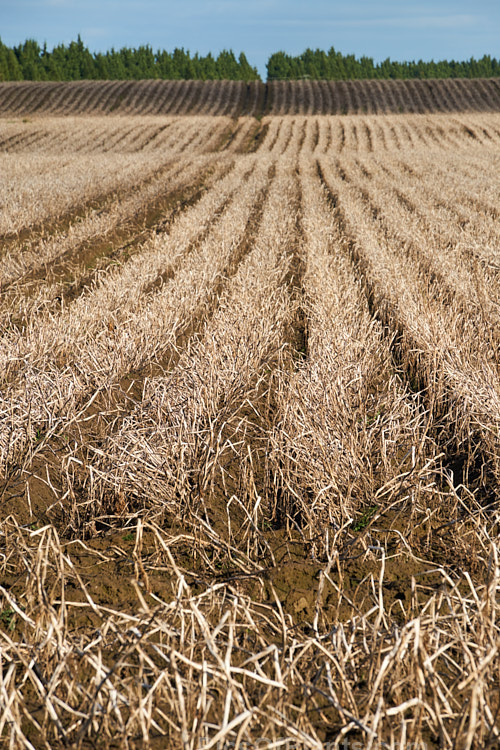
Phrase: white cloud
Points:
(456, 21)
(407, 22)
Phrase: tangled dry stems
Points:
(289, 533)
(217, 666)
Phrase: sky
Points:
(428, 29)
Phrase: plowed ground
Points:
(249, 429)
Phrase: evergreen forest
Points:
(74, 62)
(334, 66)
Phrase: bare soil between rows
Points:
(81, 563)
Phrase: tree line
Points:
(334, 66)
(74, 62)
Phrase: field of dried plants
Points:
(255, 98)
(250, 430)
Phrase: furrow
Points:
(116, 328)
(348, 431)
(27, 256)
(208, 418)
(103, 241)
(435, 345)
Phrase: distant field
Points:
(237, 98)
(250, 415)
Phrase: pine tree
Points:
(29, 58)
(10, 70)
(246, 72)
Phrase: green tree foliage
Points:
(74, 62)
(31, 59)
(333, 66)
(10, 70)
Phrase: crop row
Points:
(237, 98)
(250, 470)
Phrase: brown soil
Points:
(256, 99)
(98, 253)
(389, 552)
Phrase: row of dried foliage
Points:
(254, 98)
(250, 467)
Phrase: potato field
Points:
(250, 415)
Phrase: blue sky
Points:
(438, 29)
